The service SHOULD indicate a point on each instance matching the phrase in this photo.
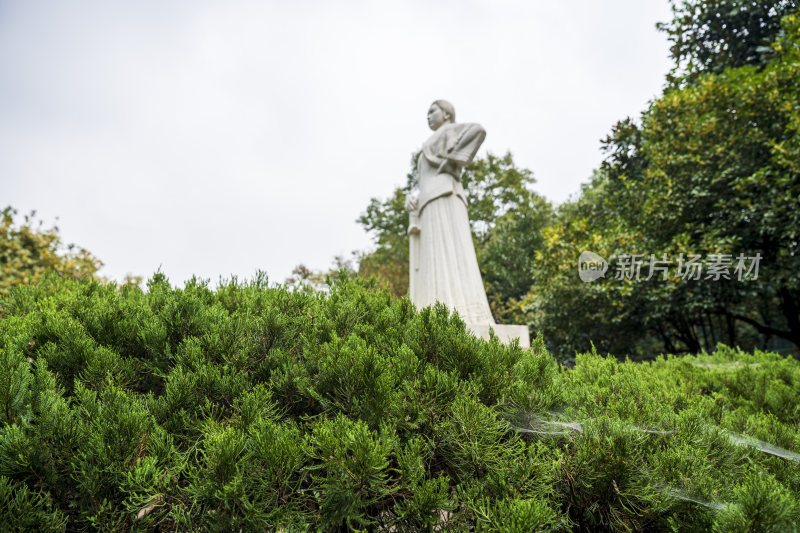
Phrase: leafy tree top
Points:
(28, 250)
(709, 36)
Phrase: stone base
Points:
(504, 332)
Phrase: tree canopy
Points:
(28, 250)
(709, 36)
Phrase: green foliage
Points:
(387, 221)
(254, 408)
(27, 251)
(26, 510)
(709, 36)
(711, 169)
(507, 258)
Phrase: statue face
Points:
(436, 117)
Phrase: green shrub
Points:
(258, 408)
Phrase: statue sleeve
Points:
(465, 143)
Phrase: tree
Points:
(711, 168)
(388, 222)
(709, 36)
(507, 258)
(723, 176)
(28, 251)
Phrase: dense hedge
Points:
(250, 408)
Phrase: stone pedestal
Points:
(505, 333)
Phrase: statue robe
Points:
(443, 266)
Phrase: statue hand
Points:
(412, 200)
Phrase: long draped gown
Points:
(444, 266)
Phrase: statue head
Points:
(441, 112)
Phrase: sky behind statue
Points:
(218, 138)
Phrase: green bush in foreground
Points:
(251, 408)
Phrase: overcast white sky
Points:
(222, 137)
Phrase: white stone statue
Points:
(443, 265)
